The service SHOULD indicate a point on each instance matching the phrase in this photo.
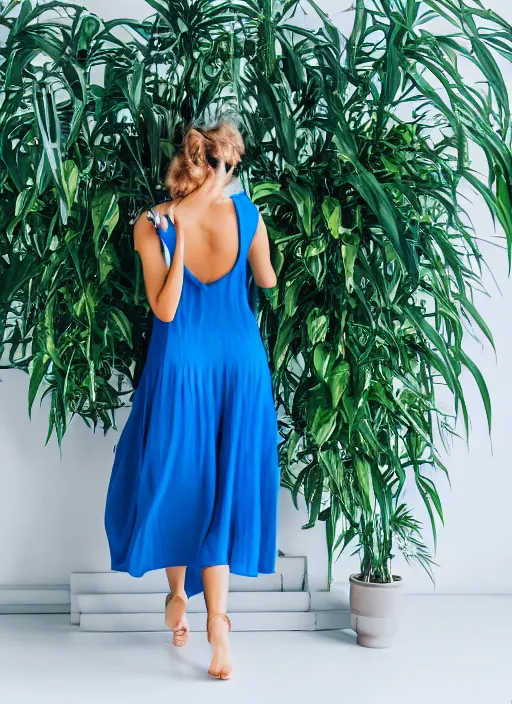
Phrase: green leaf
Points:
(316, 247)
(107, 260)
(122, 324)
(482, 386)
(264, 189)
(304, 204)
(338, 381)
(323, 424)
(293, 440)
(317, 324)
(37, 370)
(349, 251)
(105, 214)
(321, 360)
(314, 507)
(70, 181)
(473, 312)
(331, 210)
(331, 462)
(45, 109)
(369, 188)
(365, 481)
(285, 335)
(291, 294)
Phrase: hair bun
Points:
(194, 148)
(202, 148)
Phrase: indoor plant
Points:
(377, 260)
(355, 160)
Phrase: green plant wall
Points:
(356, 151)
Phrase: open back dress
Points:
(195, 478)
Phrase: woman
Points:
(195, 479)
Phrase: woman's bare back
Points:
(211, 240)
(208, 247)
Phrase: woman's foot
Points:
(218, 627)
(176, 618)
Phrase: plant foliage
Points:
(357, 152)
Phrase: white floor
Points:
(450, 649)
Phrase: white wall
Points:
(51, 507)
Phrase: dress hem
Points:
(233, 569)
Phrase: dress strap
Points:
(166, 231)
(154, 217)
(248, 214)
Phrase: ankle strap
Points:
(219, 613)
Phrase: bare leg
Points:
(216, 583)
(176, 610)
(176, 579)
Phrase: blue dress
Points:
(195, 478)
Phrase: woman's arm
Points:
(259, 257)
(163, 284)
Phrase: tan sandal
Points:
(181, 631)
(223, 673)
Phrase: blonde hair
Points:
(190, 167)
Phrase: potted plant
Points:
(377, 262)
(379, 524)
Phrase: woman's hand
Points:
(222, 176)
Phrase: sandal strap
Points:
(219, 613)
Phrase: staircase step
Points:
(274, 621)
(156, 581)
(36, 599)
(336, 599)
(289, 577)
(241, 621)
(154, 602)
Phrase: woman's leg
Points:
(176, 579)
(216, 583)
(176, 610)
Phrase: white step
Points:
(332, 620)
(275, 621)
(35, 599)
(290, 575)
(155, 602)
(336, 599)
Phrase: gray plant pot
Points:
(374, 611)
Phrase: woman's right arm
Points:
(163, 284)
(259, 257)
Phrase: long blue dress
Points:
(195, 478)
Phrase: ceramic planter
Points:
(374, 611)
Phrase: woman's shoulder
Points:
(247, 205)
(151, 222)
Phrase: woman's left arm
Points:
(163, 285)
